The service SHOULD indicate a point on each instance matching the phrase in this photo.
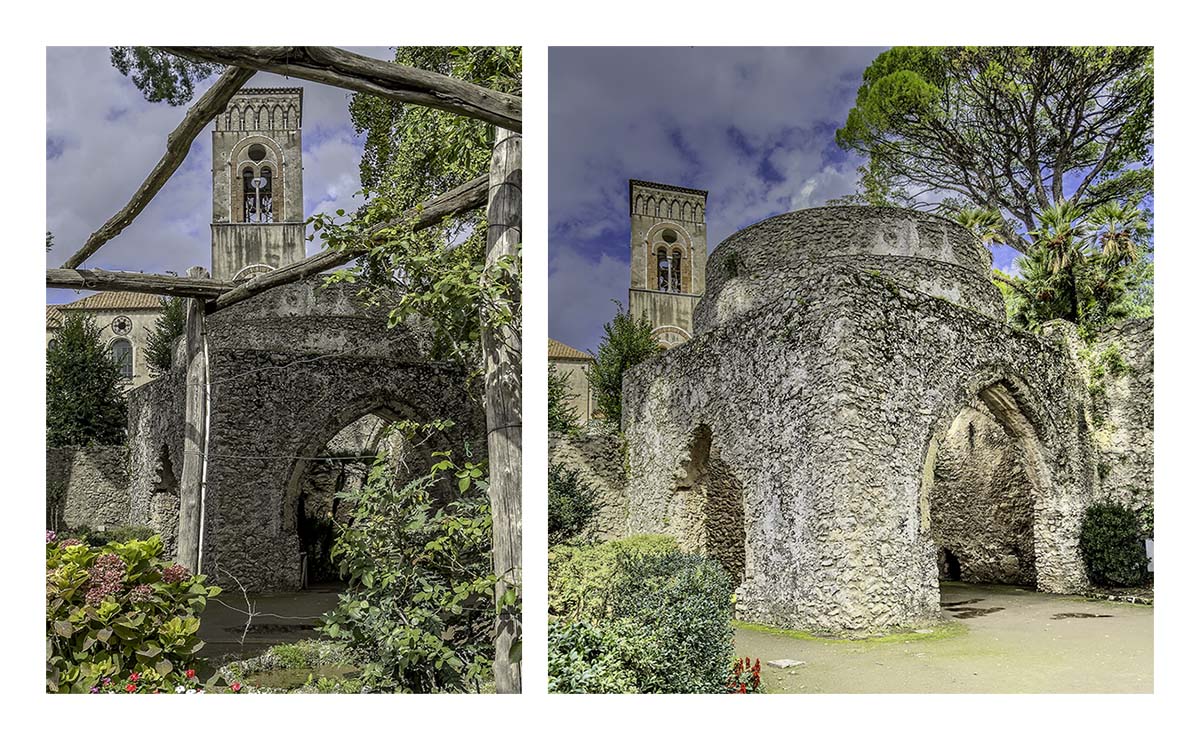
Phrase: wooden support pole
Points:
(340, 68)
(502, 403)
(179, 142)
(195, 434)
(137, 282)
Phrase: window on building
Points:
(122, 354)
(664, 270)
(256, 196)
(676, 271)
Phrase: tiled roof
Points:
(560, 351)
(53, 315)
(116, 299)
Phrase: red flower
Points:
(191, 673)
(130, 688)
(236, 687)
(134, 677)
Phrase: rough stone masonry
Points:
(854, 410)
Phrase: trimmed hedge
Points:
(580, 577)
(1113, 546)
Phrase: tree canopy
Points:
(84, 387)
(1009, 129)
(628, 341)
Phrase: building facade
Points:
(125, 321)
(573, 364)
(668, 255)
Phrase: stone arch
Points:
(714, 505)
(998, 394)
(238, 160)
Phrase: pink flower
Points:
(175, 573)
(236, 687)
(50, 535)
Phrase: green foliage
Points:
(116, 610)
(160, 340)
(419, 610)
(627, 342)
(412, 153)
(1112, 544)
(572, 504)
(581, 576)
(561, 416)
(84, 387)
(600, 657)
(159, 75)
(1146, 520)
(98, 538)
(638, 615)
(308, 666)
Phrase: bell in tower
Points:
(258, 202)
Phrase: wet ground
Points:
(996, 639)
(280, 618)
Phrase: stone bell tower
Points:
(669, 251)
(258, 202)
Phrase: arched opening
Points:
(714, 505)
(983, 479)
(676, 271)
(315, 507)
(664, 270)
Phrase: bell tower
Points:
(669, 250)
(258, 201)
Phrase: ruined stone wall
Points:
(828, 390)
(981, 503)
(1120, 363)
(597, 456)
(156, 430)
(87, 487)
(289, 369)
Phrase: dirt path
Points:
(1026, 645)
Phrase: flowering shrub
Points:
(745, 677)
(118, 611)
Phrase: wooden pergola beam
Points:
(340, 68)
(179, 142)
(462, 199)
(184, 287)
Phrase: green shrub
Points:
(419, 611)
(85, 390)
(118, 610)
(572, 504)
(1113, 547)
(559, 396)
(599, 658)
(580, 577)
(686, 603)
(99, 538)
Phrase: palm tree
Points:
(1117, 232)
(1059, 237)
(985, 223)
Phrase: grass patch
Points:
(938, 631)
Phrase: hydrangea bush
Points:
(117, 612)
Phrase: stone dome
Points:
(775, 258)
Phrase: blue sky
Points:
(754, 127)
(102, 139)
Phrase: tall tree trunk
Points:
(502, 403)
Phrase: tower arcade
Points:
(258, 199)
(669, 250)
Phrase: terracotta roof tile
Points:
(115, 299)
(560, 351)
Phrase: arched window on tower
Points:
(249, 201)
(664, 270)
(122, 355)
(676, 271)
(266, 211)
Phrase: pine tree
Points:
(84, 387)
(160, 341)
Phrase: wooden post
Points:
(191, 477)
(502, 403)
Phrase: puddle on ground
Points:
(1080, 615)
(969, 612)
(960, 603)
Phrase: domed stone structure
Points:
(854, 418)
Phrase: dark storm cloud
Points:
(102, 139)
(754, 127)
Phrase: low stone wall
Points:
(87, 487)
(597, 457)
